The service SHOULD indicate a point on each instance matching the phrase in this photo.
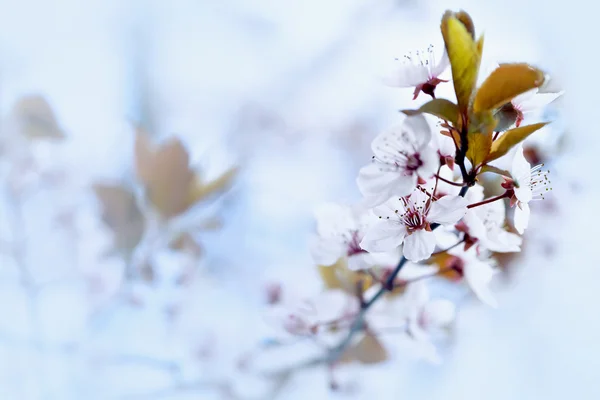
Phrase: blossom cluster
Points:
(425, 213)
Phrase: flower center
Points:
(413, 162)
(354, 244)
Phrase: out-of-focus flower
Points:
(307, 316)
(485, 224)
(408, 220)
(478, 273)
(339, 232)
(402, 155)
(529, 184)
(419, 70)
(424, 316)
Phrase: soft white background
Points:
(309, 68)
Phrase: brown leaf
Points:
(200, 191)
(504, 83)
(165, 173)
(36, 119)
(464, 54)
(339, 276)
(368, 350)
(511, 138)
(122, 215)
(441, 108)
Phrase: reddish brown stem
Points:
(490, 200)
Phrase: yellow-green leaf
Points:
(511, 138)
(504, 83)
(441, 108)
(464, 54)
(480, 144)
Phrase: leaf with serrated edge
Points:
(464, 55)
(511, 138)
(441, 108)
(505, 83)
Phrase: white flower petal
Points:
(379, 185)
(333, 219)
(406, 75)
(441, 66)
(326, 251)
(521, 173)
(420, 130)
(537, 102)
(479, 275)
(430, 160)
(383, 236)
(502, 241)
(419, 245)
(521, 217)
(448, 210)
(412, 271)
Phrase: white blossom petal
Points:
(406, 75)
(332, 219)
(521, 173)
(479, 275)
(441, 66)
(537, 101)
(521, 217)
(448, 210)
(419, 245)
(383, 236)
(378, 185)
(326, 251)
(431, 162)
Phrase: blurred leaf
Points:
(122, 215)
(479, 147)
(368, 350)
(339, 276)
(36, 118)
(504, 83)
(511, 138)
(171, 185)
(165, 174)
(200, 191)
(464, 54)
(441, 108)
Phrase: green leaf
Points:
(464, 54)
(441, 108)
(504, 83)
(511, 138)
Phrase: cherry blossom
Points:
(530, 102)
(401, 155)
(485, 225)
(408, 220)
(424, 317)
(528, 184)
(477, 272)
(419, 70)
(303, 316)
(339, 232)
